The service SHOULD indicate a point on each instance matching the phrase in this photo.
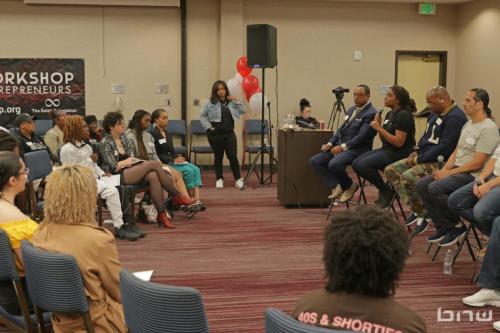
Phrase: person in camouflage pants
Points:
(404, 176)
(440, 138)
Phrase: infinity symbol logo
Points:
(52, 102)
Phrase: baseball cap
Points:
(22, 118)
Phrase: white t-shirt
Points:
(496, 156)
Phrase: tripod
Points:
(335, 114)
(264, 149)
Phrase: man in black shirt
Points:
(28, 140)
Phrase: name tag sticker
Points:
(439, 121)
(162, 141)
(386, 121)
(470, 140)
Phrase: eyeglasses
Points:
(26, 172)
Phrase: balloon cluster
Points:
(245, 84)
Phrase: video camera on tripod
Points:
(339, 92)
(337, 108)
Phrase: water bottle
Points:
(448, 260)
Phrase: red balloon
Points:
(252, 93)
(249, 85)
(242, 67)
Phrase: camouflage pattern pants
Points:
(405, 181)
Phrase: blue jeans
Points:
(489, 276)
(369, 164)
(333, 167)
(479, 212)
(434, 195)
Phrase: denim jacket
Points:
(212, 112)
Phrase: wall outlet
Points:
(196, 102)
(117, 88)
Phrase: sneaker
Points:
(483, 297)
(437, 236)
(124, 233)
(219, 183)
(411, 219)
(150, 213)
(349, 193)
(239, 184)
(336, 192)
(496, 325)
(134, 228)
(422, 225)
(453, 236)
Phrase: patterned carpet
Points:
(246, 252)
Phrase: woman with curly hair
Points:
(397, 133)
(70, 227)
(364, 255)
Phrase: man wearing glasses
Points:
(440, 138)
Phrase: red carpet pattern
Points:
(246, 252)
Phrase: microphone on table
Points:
(306, 124)
(440, 161)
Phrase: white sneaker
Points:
(496, 325)
(219, 183)
(483, 297)
(239, 183)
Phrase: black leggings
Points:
(158, 180)
(221, 142)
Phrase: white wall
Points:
(133, 46)
(478, 50)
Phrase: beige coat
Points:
(95, 251)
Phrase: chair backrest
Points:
(42, 126)
(279, 322)
(151, 307)
(177, 127)
(54, 280)
(39, 164)
(254, 126)
(8, 269)
(196, 128)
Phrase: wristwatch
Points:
(344, 147)
(479, 181)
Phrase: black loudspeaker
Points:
(261, 46)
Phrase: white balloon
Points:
(255, 102)
(235, 88)
(238, 77)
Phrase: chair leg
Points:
(436, 253)
(465, 240)
(428, 248)
(330, 210)
(41, 323)
(89, 327)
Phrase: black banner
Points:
(37, 86)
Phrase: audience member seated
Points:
(54, 138)
(364, 255)
(353, 139)
(117, 158)
(164, 146)
(479, 201)
(478, 140)
(96, 133)
(28, 140)
(8, 143)
(305, 120)
(77, 151)
(16, 225)
(70, 227)
(489, 275)
(143, 146)
(440, 138)
(397, 134)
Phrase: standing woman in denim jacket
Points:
(218, 117)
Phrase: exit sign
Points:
(427, 8)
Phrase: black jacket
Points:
(164, 147)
